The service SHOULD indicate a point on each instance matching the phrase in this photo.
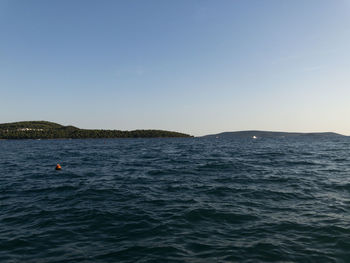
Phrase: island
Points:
(51, 130)
(255, 134)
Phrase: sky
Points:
(192, 66)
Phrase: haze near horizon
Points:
(198, 67)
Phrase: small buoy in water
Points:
(58, 167)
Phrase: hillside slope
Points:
(270, 134)
(51, 130)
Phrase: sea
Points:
(175, 200)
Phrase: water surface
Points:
(175, 200)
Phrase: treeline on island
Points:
(50, 130)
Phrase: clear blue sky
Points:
(192, 66)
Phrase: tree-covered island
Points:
(50, 130)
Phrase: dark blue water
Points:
(175, 200)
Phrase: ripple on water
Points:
(175, 200)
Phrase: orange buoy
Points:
(58, 167)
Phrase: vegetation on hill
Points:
(269, 134)
(50, 130)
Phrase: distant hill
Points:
(51, 130)
(270, 134)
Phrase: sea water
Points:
(175, 200)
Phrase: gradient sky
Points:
(191, 66)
